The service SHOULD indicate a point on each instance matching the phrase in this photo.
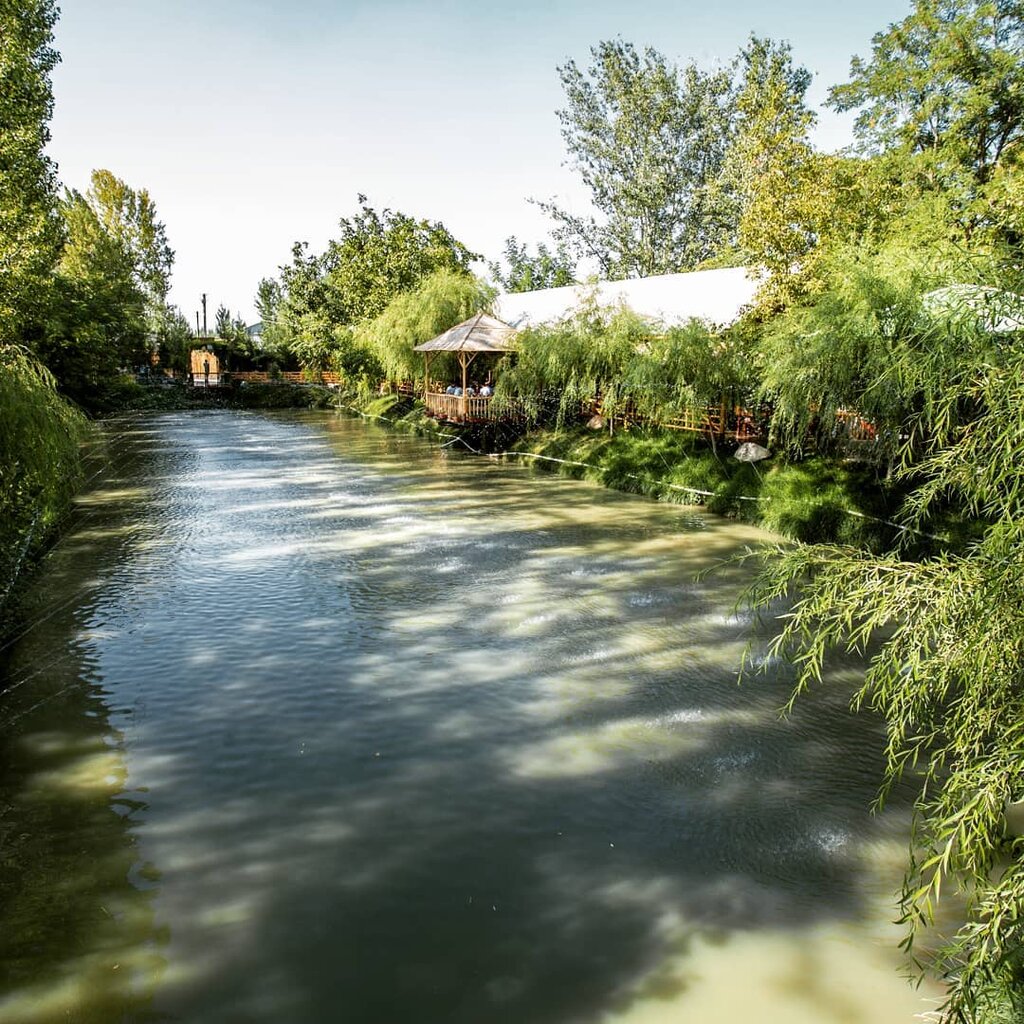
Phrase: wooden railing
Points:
(736, 423)
(458, 408)
(854, 427)
(401, 387)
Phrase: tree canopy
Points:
(527, 273)
(377, 256)
(648, 140)
(110, 285)
(947, 81)
(30, 227)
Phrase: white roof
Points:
(977, 306)
(715, 296)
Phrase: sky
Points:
(255, 123)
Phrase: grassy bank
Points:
(41, 436)
(813, 500)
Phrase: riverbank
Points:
(815, 500)
(128, 396)
(41, 441)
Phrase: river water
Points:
(310, 722)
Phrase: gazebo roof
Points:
(480, 333)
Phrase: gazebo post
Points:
(426, 375)
(465, 365)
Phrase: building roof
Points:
(978, 307)
(480, 333)
(714, 296)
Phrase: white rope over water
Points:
(902, 527)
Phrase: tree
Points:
(275, 337)
(528, 273)
(386, 342)
(98, 322)
(129, 216)
(40, 435)
(174, 339)
(232, 333)
(771, 171)
(110, 286)
(30, 228)
(649, 141)
(946, 82)
(223, 325)
(377, 257)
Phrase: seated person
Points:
(470, 390)
(456, 390)
(450, 390)
(486, 391)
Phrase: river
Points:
(311, 722)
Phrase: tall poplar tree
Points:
(30, 228)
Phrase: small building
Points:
(717, 297)
(204, 367)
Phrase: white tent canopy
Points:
(978, 307)
(714, 296)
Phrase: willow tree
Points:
(942, 368)
(443, 299)
(625, 364)
(39, 438)
(872, 342)
(559, 369)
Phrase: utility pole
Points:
(197, 323)
(204, 314)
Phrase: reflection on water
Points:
(315, 723)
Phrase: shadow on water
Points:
(423, 737)
(79, 939)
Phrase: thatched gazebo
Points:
(479, 335)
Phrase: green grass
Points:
(806, 501)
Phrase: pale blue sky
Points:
(255, 124)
